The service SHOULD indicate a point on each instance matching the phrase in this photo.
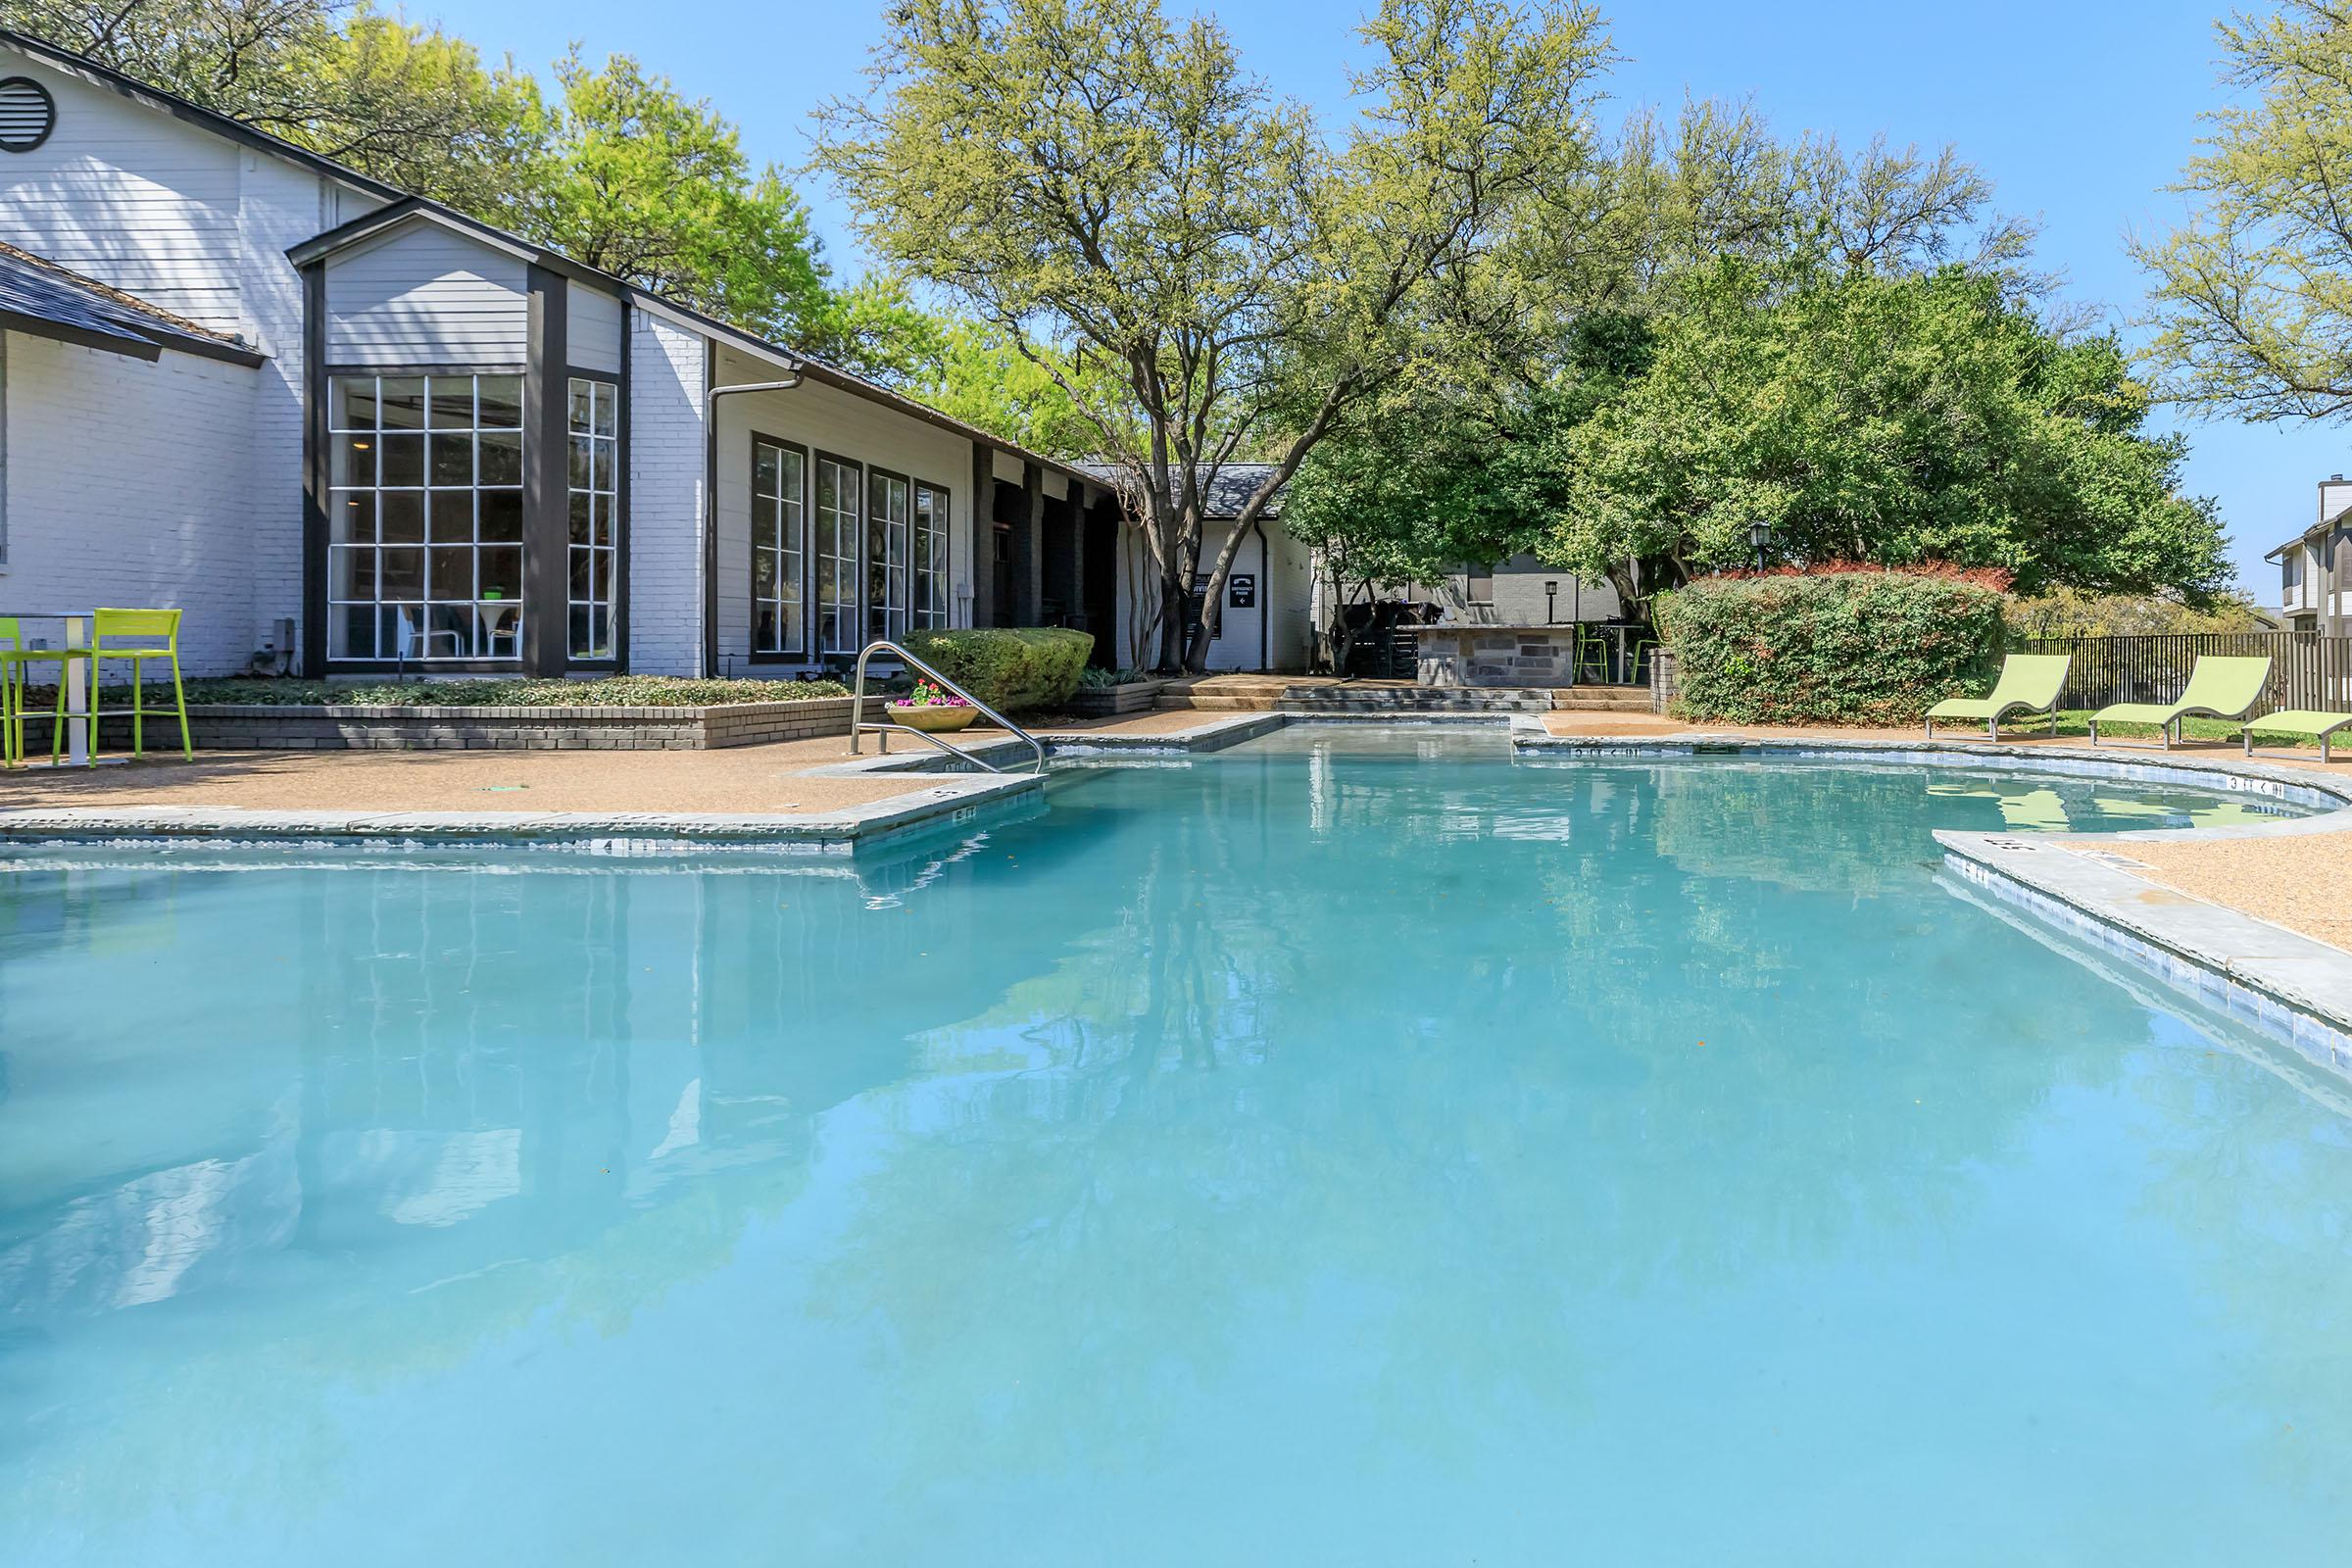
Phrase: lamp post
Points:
(1551, 593)
(1759, 534)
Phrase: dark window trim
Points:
(319, 446)
(413, 368)
(751, 490)
(47, 98)
(546, 481)
(619, 382)
(819, 454)
(865, 566)
(946, 571)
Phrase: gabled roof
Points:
(405, 207)
(1228, 491)
(84, 69)
(41, 298)
(415, 210)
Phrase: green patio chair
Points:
(1591, 655)
(2311, 725)
(108, 630)
(2224, 687)
(16, 681)
(2030, 683)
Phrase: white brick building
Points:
(349, 430)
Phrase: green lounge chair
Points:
(2218, 688)
(2303, 721)
(2030, 683)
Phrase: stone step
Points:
(1219, 701)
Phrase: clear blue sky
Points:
(2078, 109)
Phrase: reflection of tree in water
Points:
(1610, 1124)
(1117, 1111)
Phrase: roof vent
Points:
(27, 114)
(2336, 479)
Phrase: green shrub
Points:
(1010, 668)
(1843, 647)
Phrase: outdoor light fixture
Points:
(1551, 591)
(1759, 534)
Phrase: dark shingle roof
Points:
(41, 297)
(1229, 489)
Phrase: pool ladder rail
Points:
(858, 724)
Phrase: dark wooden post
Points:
(984, 535)
(1028, 539)
(1073, 572)
(546, 486)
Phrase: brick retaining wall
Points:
(267, 727)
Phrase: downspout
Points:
(1265, 590)
(706, 566)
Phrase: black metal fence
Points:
(2307, 670)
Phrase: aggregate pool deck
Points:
(2303, 883)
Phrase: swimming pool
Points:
(1354, 1147)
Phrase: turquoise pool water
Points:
(1353, 1148)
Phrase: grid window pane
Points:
(592, 463)
(419, 573)
(779, 546)
(498, 516)
(500, 401)
(501, 456)
(838, 530)
(888, 522)
(402, 461)
(400, 402)
(930, 607)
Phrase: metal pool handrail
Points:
(859, 726)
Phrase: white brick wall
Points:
(280, 206)
(666, 457)
(134, 484)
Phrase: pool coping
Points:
(957, 799)
(2297, 987)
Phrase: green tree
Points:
(409, 103)
(618, 170)
(1087, 177)
(2252, 294)
(1470, 458)
(978, 375)
(1892, 420)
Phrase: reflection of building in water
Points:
(474, 1064)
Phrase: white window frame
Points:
(889, 548)
(484, 623)
(591, 519)
(934, 514)
(780, 528)
(838, 547)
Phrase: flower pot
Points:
(933, 718)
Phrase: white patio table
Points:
(76, 675)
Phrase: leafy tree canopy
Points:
(1893, 420)
(2252, 294)
(1097, 182)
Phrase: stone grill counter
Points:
(1497, 656)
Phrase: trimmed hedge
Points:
(1010, 668)
(1848, 648)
